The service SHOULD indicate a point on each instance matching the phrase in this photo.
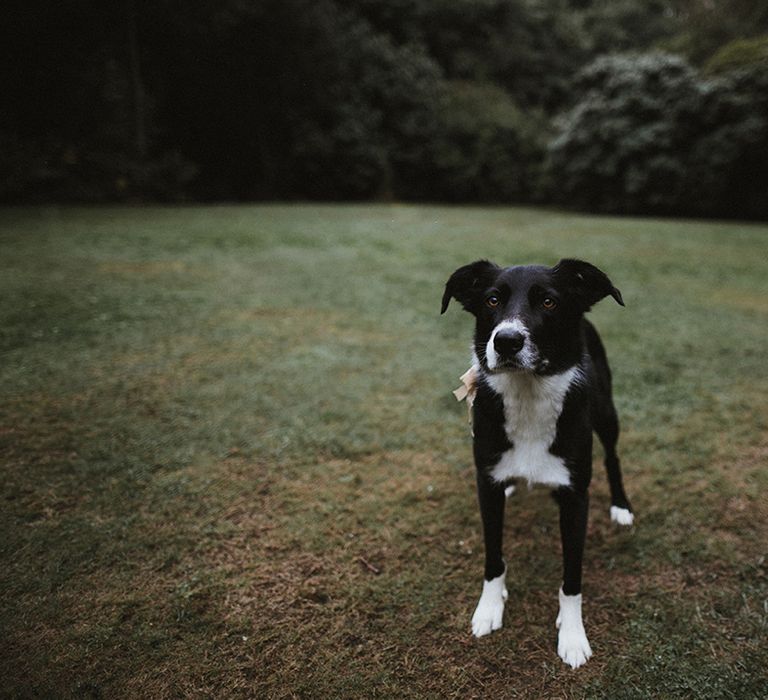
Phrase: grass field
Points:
(233, 467)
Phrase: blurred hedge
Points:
(467, 100)
(652, 135)
(741, 53)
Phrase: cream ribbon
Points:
(468, 389)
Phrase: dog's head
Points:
(528, 317)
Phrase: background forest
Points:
(629, 106)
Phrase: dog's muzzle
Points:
(508, 344)
(510, 348)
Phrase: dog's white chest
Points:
(532, 406)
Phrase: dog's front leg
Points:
(490, 609)
(572, 644)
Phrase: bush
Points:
(651, 135)
(623, 147)
(388, 124)
(43, 170)
(742, 53)
(366, 113)
(489, 150)
(728, 165)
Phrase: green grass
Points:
(232, 465)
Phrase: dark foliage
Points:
(623, 146)
(408, 99)
(728, 167)
(651, 135)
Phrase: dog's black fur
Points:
(545, 326)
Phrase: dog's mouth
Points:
(516, 367)
(509, 366)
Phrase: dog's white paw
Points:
(572, 644)
(509, 490)
(622, 516)
(573, 647)
(490, 608)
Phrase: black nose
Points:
(508, 344)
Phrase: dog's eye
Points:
(549, 303)
(492, 301)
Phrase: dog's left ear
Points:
(465, 283)
(585, 281)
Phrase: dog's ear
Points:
(467, 281)
(586, 282)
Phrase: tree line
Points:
(636, 106)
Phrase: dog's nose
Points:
(508, 344)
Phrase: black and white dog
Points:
(542, 386)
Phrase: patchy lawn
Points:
(232, 465)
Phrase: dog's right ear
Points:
(467, 281)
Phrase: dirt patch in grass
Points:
(151, 268)
(357, 578)
(742, 301)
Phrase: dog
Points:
(541, 386)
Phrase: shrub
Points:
(623, 147)
(489, 150)
(738, 54)
(728, 165)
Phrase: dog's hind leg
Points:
(606, 425)
(607, 429)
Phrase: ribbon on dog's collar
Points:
(468, 388)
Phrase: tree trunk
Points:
(139, 101)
